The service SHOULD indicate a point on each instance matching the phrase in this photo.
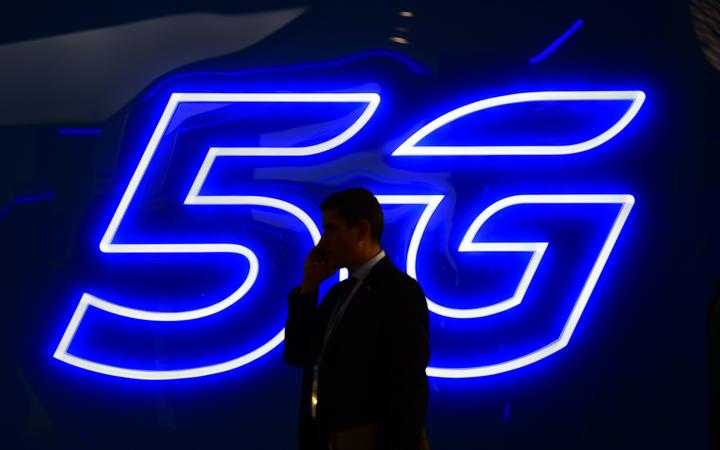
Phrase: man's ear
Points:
(364, 227)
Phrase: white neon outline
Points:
(193, 198)
(432, 202)
(410, 147)
(627, 201)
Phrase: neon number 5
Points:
(194, 197)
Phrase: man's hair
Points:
(354, 205)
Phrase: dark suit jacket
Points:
(373, 371)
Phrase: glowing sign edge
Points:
(410, 147)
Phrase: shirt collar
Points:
(361, 272)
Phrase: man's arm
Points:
(302, 337)
(407, 346)
(300, 345)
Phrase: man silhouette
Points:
(364, 349)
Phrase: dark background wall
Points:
(76, 112)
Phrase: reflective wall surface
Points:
(548, 172)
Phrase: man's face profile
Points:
(339, 241)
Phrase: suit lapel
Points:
(371, 283)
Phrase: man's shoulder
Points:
(400, 294)
(397, 280)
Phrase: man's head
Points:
(352, 226)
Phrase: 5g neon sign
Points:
(471, 242)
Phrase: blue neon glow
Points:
(194, 198)
(412, 65)
(411, 146)
(472, 241)
(556, 43)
